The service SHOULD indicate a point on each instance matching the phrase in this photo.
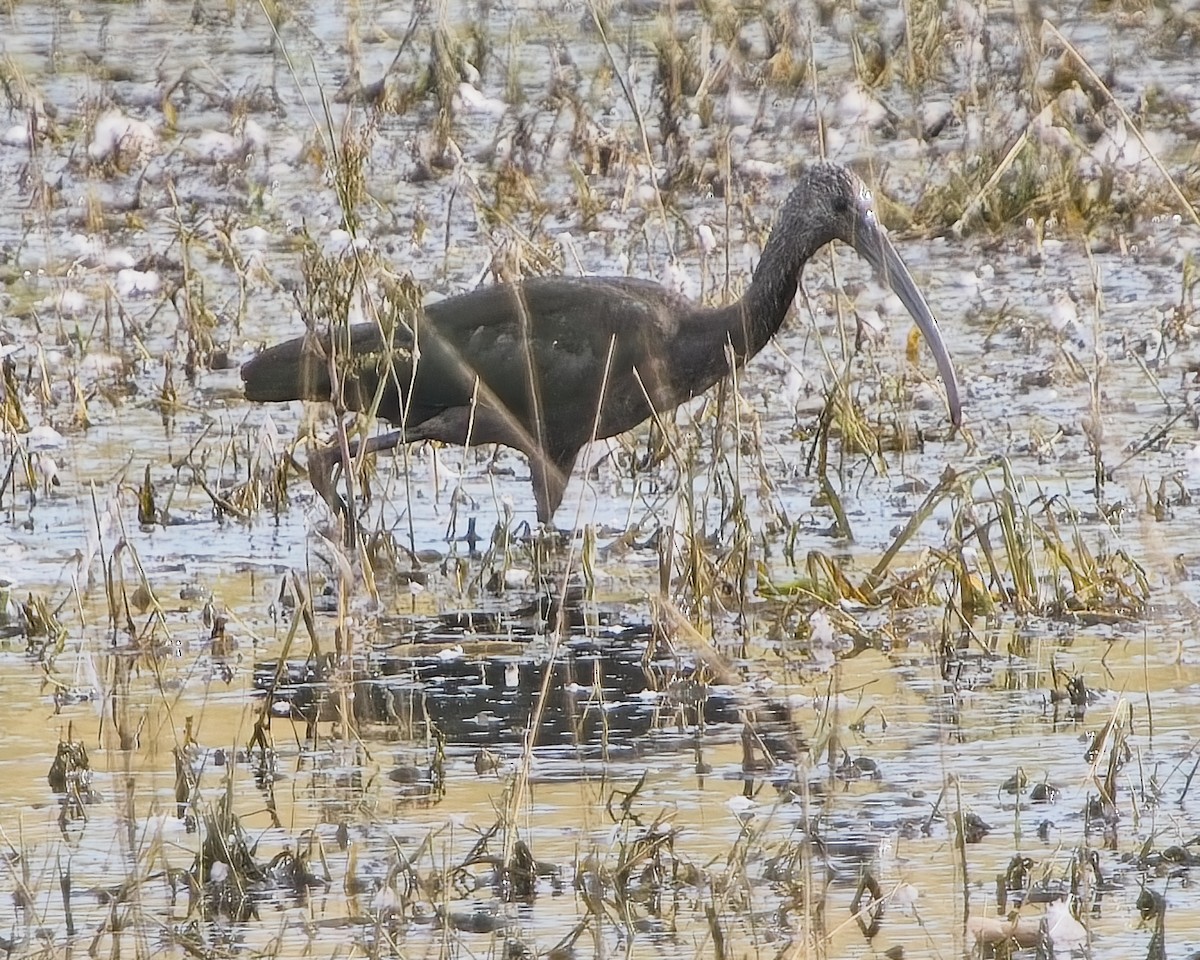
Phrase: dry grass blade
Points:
(945, 485)
(1133, 127)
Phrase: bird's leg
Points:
(550, 475)
(321, 464)
(548, 488)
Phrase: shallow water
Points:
(233, 168)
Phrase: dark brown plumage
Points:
(549, 364)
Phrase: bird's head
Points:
(832, 203)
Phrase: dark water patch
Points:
(617, 691)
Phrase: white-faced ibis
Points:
(549, 364)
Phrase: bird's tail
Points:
(294, 370)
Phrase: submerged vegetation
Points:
(806, 674)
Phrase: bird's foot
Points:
(543, 533)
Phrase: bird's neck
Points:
(752, 321)
(726, 337)
(749, 324)
(757, 317)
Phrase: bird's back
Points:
(568, 336)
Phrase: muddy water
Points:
(181, 153)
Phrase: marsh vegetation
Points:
(809, 674)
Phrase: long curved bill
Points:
(873, 245)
